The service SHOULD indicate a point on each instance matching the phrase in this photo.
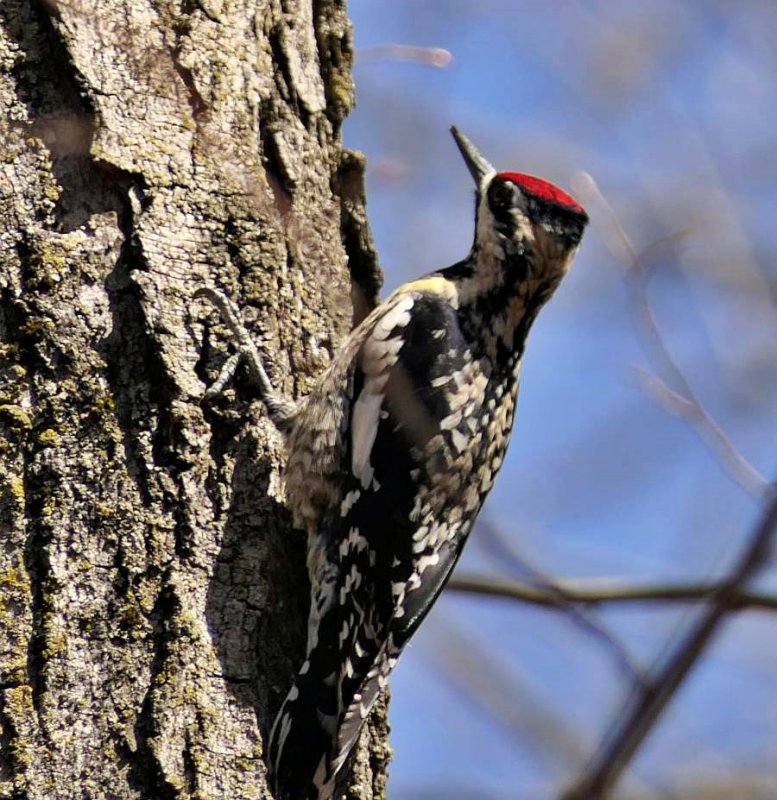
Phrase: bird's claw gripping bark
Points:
(281, 408)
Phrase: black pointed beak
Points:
(476, 164)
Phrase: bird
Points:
(391, 455)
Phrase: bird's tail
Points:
(301, 739)
(313, 738)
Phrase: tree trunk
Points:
(152, 593)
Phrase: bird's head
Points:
(524, 223)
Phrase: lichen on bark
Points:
(152, 593)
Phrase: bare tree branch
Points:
(646, 705)
(594, 593)
(508, 554)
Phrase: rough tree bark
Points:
(152, 594)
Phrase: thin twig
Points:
(674, 383)
(508, 555)
(437, 57)
(646, 705)
(594, 593)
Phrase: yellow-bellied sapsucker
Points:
(392, 454)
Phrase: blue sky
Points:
(672, 109)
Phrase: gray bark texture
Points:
(152, 592)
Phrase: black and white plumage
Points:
(392, 454)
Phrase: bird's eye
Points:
(500, 195)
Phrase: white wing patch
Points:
(347, 504)
(378, 355)
(395, 317)
(364, 429)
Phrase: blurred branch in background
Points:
(669, 385)
(597, 592)
(646, 705)
(437, 57)
(647, 702)
(709, 782)
(507, 555)
(483, 678)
